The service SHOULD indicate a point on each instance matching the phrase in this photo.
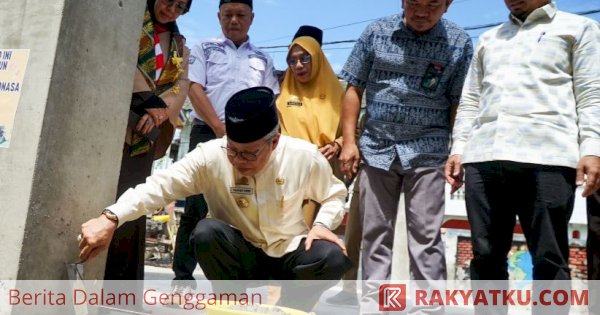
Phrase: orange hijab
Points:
(311, 111)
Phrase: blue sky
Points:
(276, 21)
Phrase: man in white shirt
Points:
(254, 180)
(218, 68)
(527, 132)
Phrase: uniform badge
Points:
(242, 202)
(432, 77)
(279, 181)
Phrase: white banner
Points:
(13, 63)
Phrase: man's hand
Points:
(454, 172)
(329, 150)
(219, 130)
(319, 232)
(96, 235)
(588, 172)
(349, 159)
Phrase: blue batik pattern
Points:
(404, 119)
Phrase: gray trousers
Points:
(424, 205)
(353, 238)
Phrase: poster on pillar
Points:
(13, 63)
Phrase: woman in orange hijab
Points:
(310, 101)
(309, 106)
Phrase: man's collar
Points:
(547, 12)
(229, 42)
(436, 31)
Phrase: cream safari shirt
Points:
(532, 94)
(266, 208)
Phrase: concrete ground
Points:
(156, 273)
(156, 276)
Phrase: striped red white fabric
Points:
(160, 59)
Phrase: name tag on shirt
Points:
(241, 190)
(294, 101)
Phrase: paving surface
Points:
(159, 279)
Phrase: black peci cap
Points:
(250, 114)
(248, 2)
(312, 31)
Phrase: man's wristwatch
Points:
(111, 216)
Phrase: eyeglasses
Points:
(415, 5)
(180, 7)
(248, 156)
(305, 59)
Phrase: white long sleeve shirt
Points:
(532, 94)
(266, 208)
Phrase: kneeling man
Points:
(254, 181)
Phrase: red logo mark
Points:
(392, 297)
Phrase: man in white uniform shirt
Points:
(218, 69)
(254, 180)
(528, 132)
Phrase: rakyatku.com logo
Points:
(392, 297)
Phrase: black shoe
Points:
(343, 298)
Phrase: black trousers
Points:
(593, 239)
(541, 196)
(224, 254)
(125, 259)
(184, 261)
(593, 250)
